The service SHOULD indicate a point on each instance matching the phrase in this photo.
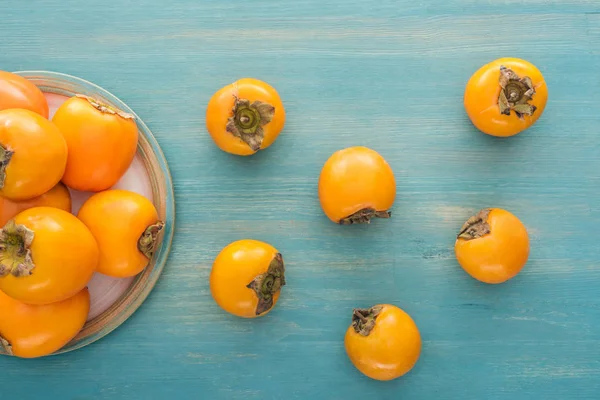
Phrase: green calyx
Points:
(364, 216)
(247, 121)
(363, 319)
(149, 239)
(15, 253)
(268, 284)
(516, 93)
(476, 226)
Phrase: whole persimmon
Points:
(33, 154)
(19, 92)
(247, 277)
(32, 331)
(505, 96)
(57, 197)
(245, 116)
(383, 342)
(356, 184)
(492, 246)
(126, 227)
(102, 142)
(46, 255)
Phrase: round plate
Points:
(114, 300)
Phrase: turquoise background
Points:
(386, 74)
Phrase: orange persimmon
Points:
(31, 331)
(19, 92)
(505, 96)
(102, 142)
(33, 154)
(46, 255)
(355, 185)
(492, 246)
(126, 227)
(247, 277)
(245, 116)
(383, 342)
(57, 197)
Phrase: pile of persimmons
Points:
(356, 184)
(47, 254)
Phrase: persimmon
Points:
(19, 92)
(492, 246)
(383, 342)
(245, 116)
(505, 96)
(58, 197)
(32, 331)
(102, 142)
(46, 255)
(33, 154)
(126, 227)
(247, 277)
(356, 184)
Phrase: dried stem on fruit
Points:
(5, 156)
(266, 285)
(476, 226)
(515, 94)
(149, 239)
(105, 108)
(364, 216)
(247, 121)
(15, 252)
(5, 346)
(363, 319)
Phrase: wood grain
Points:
(389, 75)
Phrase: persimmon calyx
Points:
(15, 252)
(105, 108)
(476, 226)
(363, 319)
(5, 156)
(247, 121)
(515, 94)
(266, 285)
(149, 239)
(364, 216)
(5, 346)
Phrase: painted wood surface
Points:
(389, 75)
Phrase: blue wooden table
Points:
(390, 75)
